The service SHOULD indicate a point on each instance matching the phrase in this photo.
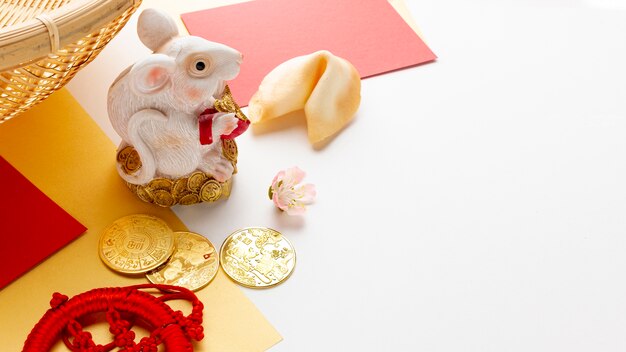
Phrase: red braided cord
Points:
(169, 327)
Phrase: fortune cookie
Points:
(327, 87)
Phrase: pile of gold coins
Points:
(195, 188)
(254, 257)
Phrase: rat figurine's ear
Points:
(155, 28)
(152, 74)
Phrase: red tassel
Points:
(57, 299)
(168, 327)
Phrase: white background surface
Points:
(475, 204)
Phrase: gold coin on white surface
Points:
(257, 257)
(193, 265)
(136, 244)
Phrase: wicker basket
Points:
(43, 43)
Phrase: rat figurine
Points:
(159, 105)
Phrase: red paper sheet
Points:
(368, 33)
(32, 226)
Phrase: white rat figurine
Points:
(154, 105)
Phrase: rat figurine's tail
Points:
(147, 170)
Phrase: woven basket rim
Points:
(30, 41)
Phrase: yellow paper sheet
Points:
(59, 148)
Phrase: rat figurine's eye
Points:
(199, 66)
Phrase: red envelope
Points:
(370, 34)
(32, 226)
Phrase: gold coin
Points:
(136, 244)
(179, 189)
(257, 257)
(161, 184)
(163, 198)
(132, 187)
(189, 199)
(143, 194)
(123, 154)
(211, 191)
(229, 150)
(227, 187)
(195, 181)
(193, 265)
(133, 162)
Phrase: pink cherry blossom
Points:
(289, 194)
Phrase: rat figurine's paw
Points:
(217, 166)
(222, 170)
(223, 124)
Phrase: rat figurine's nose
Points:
(240, 60)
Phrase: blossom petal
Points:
(307, 193)
(294, 175)
(279, 202)
(279, 176)
(286, 199)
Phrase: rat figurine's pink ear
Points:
(155, 28)
(152, 74)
